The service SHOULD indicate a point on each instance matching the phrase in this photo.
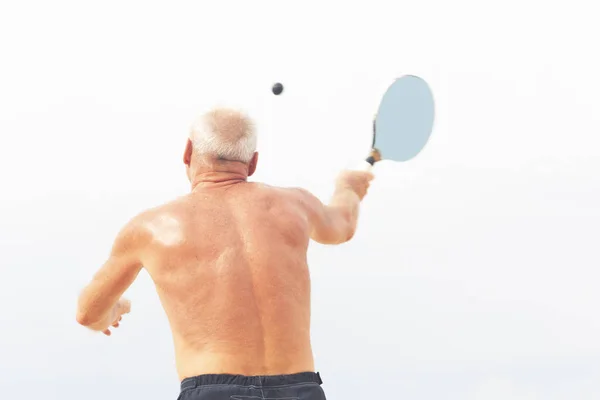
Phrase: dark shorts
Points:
(301, 386)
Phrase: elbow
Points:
(331, 239)
(86, 320)
(346, 233)
(338, 230)
(350, 234)
(349, 228)
(85, 315)
(83, 318)
(89, 321)
(82, 315)
(343, 236)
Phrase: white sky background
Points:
(474, 273)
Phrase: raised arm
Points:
(336, 222)
(100, 304)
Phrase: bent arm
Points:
(100, 296)
(336, 222)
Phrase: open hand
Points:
(123, 306)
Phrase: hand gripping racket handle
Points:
(364, 166)
(368, 163)
(374, 156)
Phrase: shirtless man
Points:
(229, 264)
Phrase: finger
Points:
(116, 325)
(106, 332)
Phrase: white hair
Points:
(225, 134)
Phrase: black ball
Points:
(277, 89)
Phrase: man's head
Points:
(222, 140)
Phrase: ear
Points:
(187, 154)
(252, 164)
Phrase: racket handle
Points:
(364, 166)
(368, 163)
(374, 156)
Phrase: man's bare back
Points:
(229, 264)
(230, 268)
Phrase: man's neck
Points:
(219, 174)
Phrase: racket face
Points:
(405, 119)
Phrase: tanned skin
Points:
(230, 267)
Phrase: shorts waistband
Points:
(257, 380)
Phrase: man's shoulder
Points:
(303, 195)
(261, 189)
(284, 190)
(170, 209)
(143, 228)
